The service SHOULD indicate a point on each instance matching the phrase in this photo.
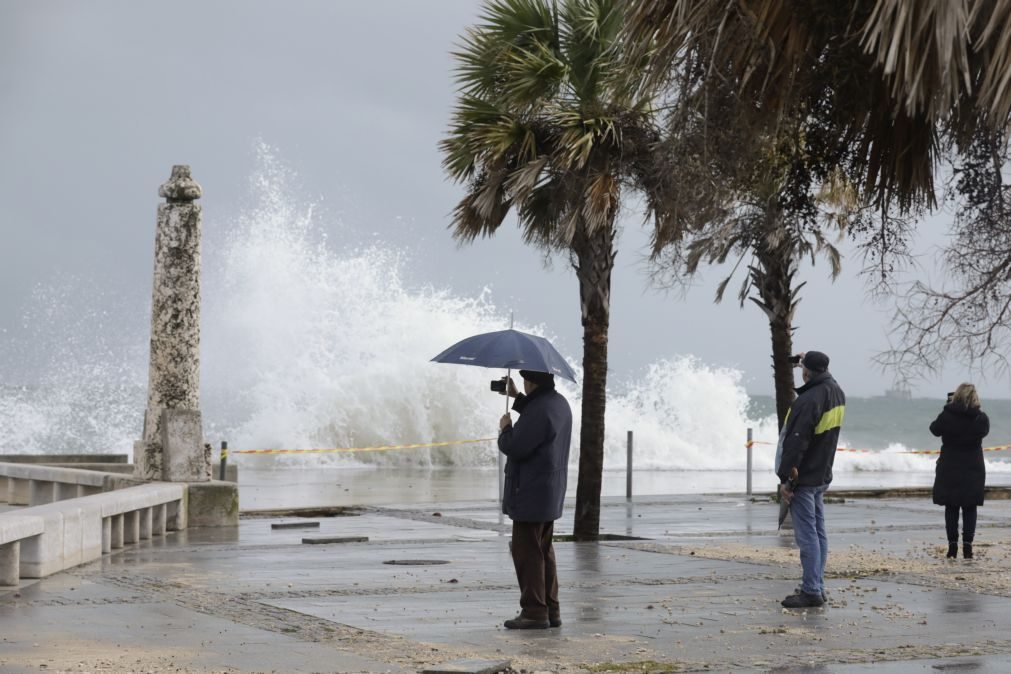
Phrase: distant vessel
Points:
(899, 393)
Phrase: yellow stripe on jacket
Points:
(831, 419)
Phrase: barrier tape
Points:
(326, 450)
(998, 448)
(383, 448)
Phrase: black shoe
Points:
(555, 621)
(803, 600)
(967, 550)
(824, 595)
(952, 551)
(521, 623)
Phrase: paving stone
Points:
(294, 525)
(320, 540)
(469, 666)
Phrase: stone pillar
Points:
(173, 446)
(145, 524)
(17, 491)
(10, 563)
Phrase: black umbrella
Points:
(784, 510)
(784, 503)
(508, 350)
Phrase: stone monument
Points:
(172, 448)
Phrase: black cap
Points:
(815, 361)
(545, 379)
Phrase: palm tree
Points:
(892, 79)
(769, 243)
(546, 126)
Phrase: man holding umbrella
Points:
(809, 440)
(536, 471)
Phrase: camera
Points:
(498, 385)
(951, 394)
(795, 360)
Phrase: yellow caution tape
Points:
(358, 449)
(998, 448)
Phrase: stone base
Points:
(147, 460)
(213, 504)
(185, 457)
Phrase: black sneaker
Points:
(967, 550)
(521, 623)
(824, 595)
(803, 600)
(555, 621)
(952, 551)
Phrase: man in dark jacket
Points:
(810, 437)
(536, 471)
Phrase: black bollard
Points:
(224, 460)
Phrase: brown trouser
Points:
(534, 559)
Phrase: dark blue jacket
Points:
(811, 431)
(537, 447)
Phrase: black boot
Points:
(967, 550)
(952, 550)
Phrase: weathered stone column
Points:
(172, 448)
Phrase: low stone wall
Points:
(42, 540)
(35, 484)
(63, 458)
(107, 463)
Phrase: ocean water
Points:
(310, 343)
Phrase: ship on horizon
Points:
(899, 392)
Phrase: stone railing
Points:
(71, 523)
(33, 484)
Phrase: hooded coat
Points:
(960, 474)
(537, 451)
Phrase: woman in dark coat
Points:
(961, 473)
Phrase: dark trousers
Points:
(968, 523)
(534, 559)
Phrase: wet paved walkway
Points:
(699, 592)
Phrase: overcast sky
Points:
(99, 99)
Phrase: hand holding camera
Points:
(795, 359)
(504, 386)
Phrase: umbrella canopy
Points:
(508, 349)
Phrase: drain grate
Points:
(416, 562)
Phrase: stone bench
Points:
(33, 484)
(42, 540)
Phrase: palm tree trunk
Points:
(594, 262)
(773, 278)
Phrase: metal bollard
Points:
(749, 445)
(628, 469)
(224, 460)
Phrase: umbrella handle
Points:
(501, 459)
(508, 375)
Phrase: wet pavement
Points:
(698, 590)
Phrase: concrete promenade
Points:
(700, 592)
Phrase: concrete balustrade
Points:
(33, 484)
(41, 540)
